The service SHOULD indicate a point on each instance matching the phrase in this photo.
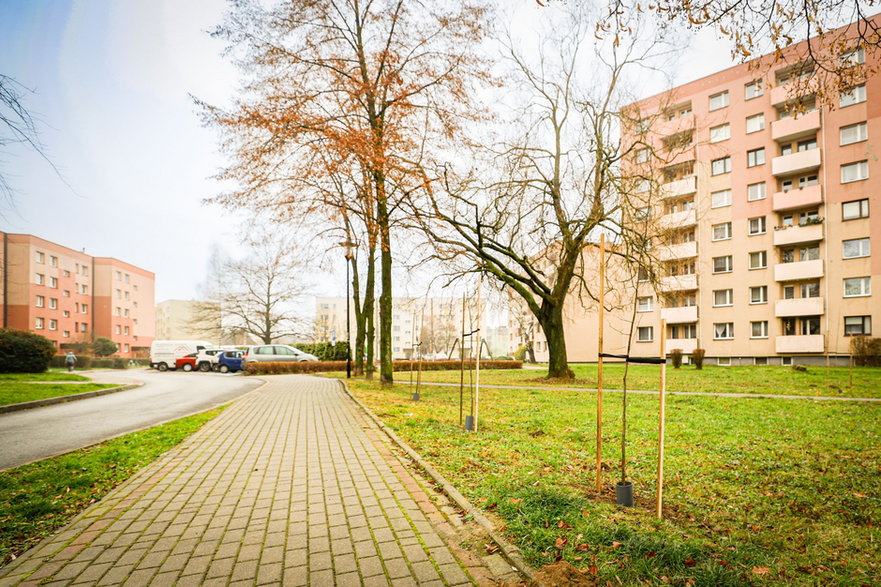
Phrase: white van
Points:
(163, 353)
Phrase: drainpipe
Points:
(825, 233)
(5, 279)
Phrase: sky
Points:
(112, 86)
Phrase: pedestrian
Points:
(70, 361)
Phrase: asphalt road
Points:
(36, 434)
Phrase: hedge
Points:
(324, 351)
(24, 352)
(85, 362)
(325, 366)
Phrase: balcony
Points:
(790, 129)
(677, 220)
(679, 283)
(794, 235)
(799, 307)
(782, 94)
(665, 128)
(686, 345)
(800, 198)
(683, 315)
(798, 270)
(680, 251)
(794, 163)
(680, 187)
(807, 343)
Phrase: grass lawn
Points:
(37, 499)
(13, 392)
(758, 490)
(47, 376)
(749, 379)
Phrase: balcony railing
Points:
(800, 162)
(683, 315)
(790, 129)
(797, 234)
(686, 345)
(783, 94)
(800, 198)
(680, 187)
(677, 219)
(798, 270)
(679, 283)
(665, 128)
(803, 343)
(680, 251)
(799, 307)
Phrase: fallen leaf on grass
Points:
(563, 525)
(615, 545)
(582, 547)
(689, 562)
(561, 542)
(516, 500)
(761, 570)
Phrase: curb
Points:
(49, 401)
(508, 550)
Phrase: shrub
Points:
(324, 351)
(520, 354)
(104, 347)
(866, 351)
(676, 358)
(325, 366)
(697, 355)
(24, 352)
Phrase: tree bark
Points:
(369, 305)
(551, 321)
(386, 375)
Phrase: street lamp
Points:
(350, 247)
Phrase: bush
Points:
(697, 356)
(866, 351)
(520, 354)
(24, 352)
(676, 358)
(81, 362)
(104, 347)
(325, 366)
(324, 351)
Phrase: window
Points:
(38, 324)
(723, 331)
(642, 274)
(753, 90)
(41, 301)
(722, 264)
(809, 326)
(118, 329)
(759, 329)
(642, 155)
(722, 231)
(53, 282)
(126, 277)
(758, 294)
(683, 331)
(643, 186)
(856, 325)
(84, 327)
(119, 276)
(755, 123)
(645, 304)
(757, 225)
(758, 260)
(719, 100)
(720, 199)
(40, 279)
(755, 157)
(645, 333)
(855, 209)
(723, 361)
(53, 261)
(85, 289)
(809, 253)
(720, 166)
(40, 257)
(85, 308)
(786, 150)
(853, 133)
(810, 289)
(126, 331)
(723, 297)
(854, 171)
(807, 145)
(66, 293)
(755, 191)
(807, 181)
(126, 313)
(53, 303)
(760, 360)
(66, 334)
(66, 273)
(853, 96)
(852, 57)
(858, 247)
(720, 133)
(66, 313)
(855, 287)
(119, 294)
(53, 324)
(85, 271)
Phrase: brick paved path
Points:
(288, 485)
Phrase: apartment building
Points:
(69, 296)
(438, 319)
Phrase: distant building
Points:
(188, 320)
(69, 296)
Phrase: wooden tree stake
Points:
(599, 474)
(661, 419)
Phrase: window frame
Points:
(722, 127)
(861, 254)
(753, 157)
(764, 191)
(722, 96)
(763, 329)
(863, 204)
(729, 330)
(728, 298)
(729, 264)
(864, 330)
(648, 329)
(856, 93)
(753, 90)
(763, 298)
(865, 287)
(649, 308)
(728, 231)
(762, 225)
(760, 117)
(862, 136)
(860, 165)
(726, 165)
(762, 255)
(727, 202)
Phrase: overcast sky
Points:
(112, 84)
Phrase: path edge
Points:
(50, 401)
(508, 550)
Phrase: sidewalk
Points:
(290, 485)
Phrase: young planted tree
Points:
(374, 81)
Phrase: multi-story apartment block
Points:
(68, 296)
(188, 320)
(767, 203)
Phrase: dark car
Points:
(229, 361)
(187, 362)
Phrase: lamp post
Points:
(350, 246)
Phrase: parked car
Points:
(164, 353)
(271, 353)
(207, 359)
(187, 362)
(229, 361)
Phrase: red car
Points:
(187, 362)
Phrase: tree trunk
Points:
(369, 313)
(358, 357)
(551, 321)
(385, 297)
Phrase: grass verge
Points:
(747, 379)
(46, 376)
(758, 490)
(39, 498)
(14, 392)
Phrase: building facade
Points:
(70, 297)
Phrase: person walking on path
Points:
(70, 361)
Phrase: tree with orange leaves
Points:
(372, 84)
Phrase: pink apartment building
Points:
(68, 296)
(770, 213)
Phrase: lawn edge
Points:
(508, 550)
(49, 401)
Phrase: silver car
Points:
(272, 353)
